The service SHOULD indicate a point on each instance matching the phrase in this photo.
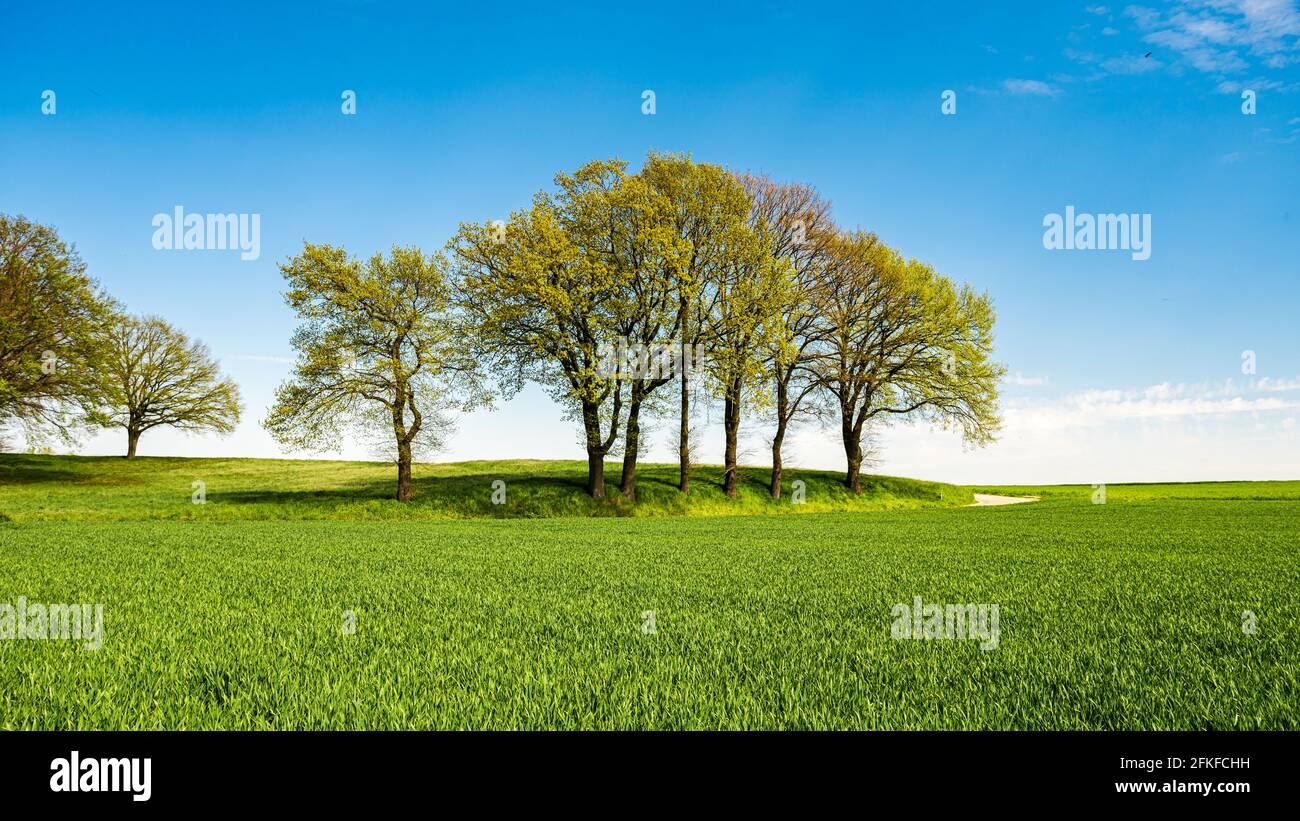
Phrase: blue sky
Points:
(1121, 369)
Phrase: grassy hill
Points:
(110, 488)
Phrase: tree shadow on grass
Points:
(10, 475)
(469, 495)
(14, 470)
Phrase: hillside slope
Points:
(110, 488)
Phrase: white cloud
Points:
(1258, 84)
(1020, 380)
(1268, 383)
(1030, 88)
(1169, 432)
(1131, 64)
(1221, 36)
(1143, 16)
(1095, 408)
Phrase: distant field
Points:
(1123, 615)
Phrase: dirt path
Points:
(987, 499)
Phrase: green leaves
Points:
(754, 271)
(380, 352)
(153, 375)
(50, 315)
(904, 341)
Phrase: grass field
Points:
(232, 614)
(46, 488)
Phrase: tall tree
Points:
(50, 311)
(708, 219)
(799, 221)
(545, 296)
(750, 288)
(153, 375)
(379, 352)
(905, 342)
(639, 241)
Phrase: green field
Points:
(107, 488)
(231, 614)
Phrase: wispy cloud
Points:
(1269, 384)
(1131, 64)
(1123, 64)
(1257, 84)
(1237, 43)
(1165, 401)
(1018, 379)
(1234, 429)
(1030, 88)
(1223, 37)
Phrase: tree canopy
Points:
(51, 313)
(153, 375)
(904, 341)
(603, 290)
(379, 353)
(546, 295)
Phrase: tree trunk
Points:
(132, 439)
(595, 474)
(778, 438)
(628, 485)
(731, 423)
(853, 455)
(595, 450)
(684, 434)
(404, 472)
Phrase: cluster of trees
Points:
(796, 318)
(71, 359)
